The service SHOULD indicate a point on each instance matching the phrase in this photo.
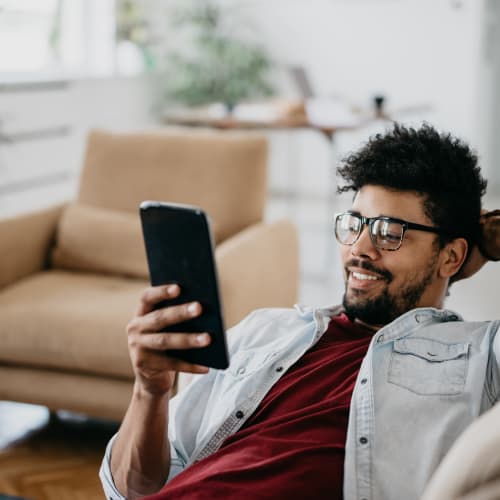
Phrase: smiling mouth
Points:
(364, 277)
(365, 274)
(365, 280)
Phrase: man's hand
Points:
(489, 249)
(140, 458)
(154, 370)
(490, 241)
(472, 265)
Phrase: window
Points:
(56, 38)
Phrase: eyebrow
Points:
(357, 212)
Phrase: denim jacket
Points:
(426, 376)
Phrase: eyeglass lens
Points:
(385, 234)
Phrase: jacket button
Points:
(380, 339)
(364, 380)
(279, 369)
(363, 440)
(419, 318)
(241, 371)
(239, 414)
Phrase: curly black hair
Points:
(440, 167)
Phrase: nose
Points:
(364, 247)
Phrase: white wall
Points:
(414, 51)
(38, 172)
(489, 97)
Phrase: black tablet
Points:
(179, 250)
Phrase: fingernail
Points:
(172, 289)
(202, 339)
(193, 308)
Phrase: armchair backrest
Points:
(224, 173)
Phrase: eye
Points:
(390, 236)
(388, 231)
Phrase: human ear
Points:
(452, 257)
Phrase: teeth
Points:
(360, 276)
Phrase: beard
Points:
(387, 306)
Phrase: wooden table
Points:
(286, 123)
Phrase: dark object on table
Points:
(378, 102)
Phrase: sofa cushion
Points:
(471, 468)
(224, 173)
(69, 321)
(102, 241)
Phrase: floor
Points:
(50, 457)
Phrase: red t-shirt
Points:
(294, 443)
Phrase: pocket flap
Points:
(431, 350)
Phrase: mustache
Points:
(368, 266)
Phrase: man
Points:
(359, 401)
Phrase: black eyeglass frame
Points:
(369, 221)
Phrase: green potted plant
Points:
(216, 65)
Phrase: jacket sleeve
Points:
(181, 440)
(494, 369)
(188, 410)
(108, 485)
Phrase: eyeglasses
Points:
(386, 233)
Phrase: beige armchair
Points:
(71, 276)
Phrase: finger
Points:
(154, 362)
(152, 295)
(157, 320)
(183, 366)
(165, 341)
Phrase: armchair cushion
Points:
(99, 240)
(69, 321)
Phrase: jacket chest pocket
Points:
(429, 367)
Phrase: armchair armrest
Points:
(258, 267)
(25, 241)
